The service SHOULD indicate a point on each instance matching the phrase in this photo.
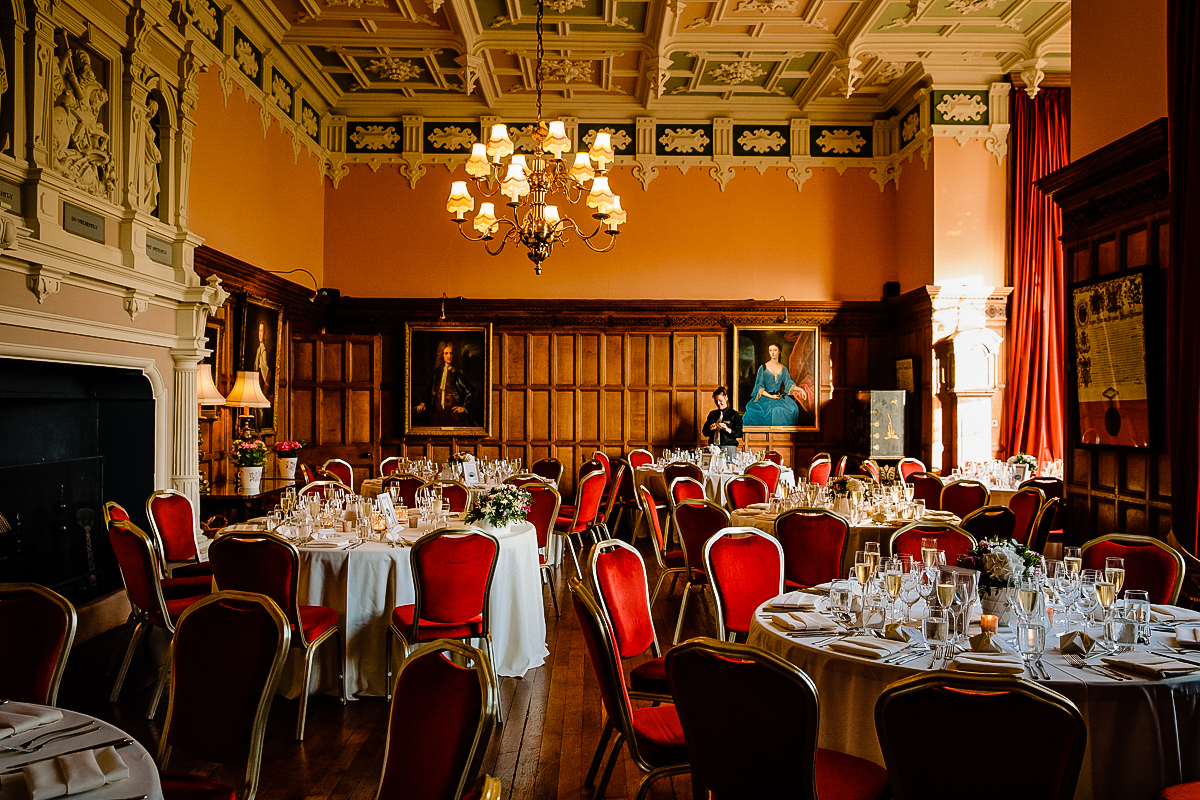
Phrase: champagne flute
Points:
(945, 595)
(893, 578)
(863, 568)
(929, 551)
(1114, 572)
(1027, 596)
(1089, 595)
(1073, 558)
(872, 551)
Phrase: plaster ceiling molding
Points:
(309, 122)
(840, 141)
(890, 71)
(911, 127)
(1031, 73)
(565, 70)
(135, 304)
(281, 93)
(434, 5)
(44, 281)
(563, 6)
(915, 9)
(375, 137)
(243, 53)
(357, 3)
(848, 75)
(961, 107)
(684, 140)
(763, 141)
(522, 137)
(619, 139)
(735, 72)
(767, 6)
(395, 69)
(204, 17)
(452, 138)
(967, 6)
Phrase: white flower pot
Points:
(249, 480)
(494, 530)
(287, 468)
(998, 601)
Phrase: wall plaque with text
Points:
(10, 193)
(159, 250)
(83, 223)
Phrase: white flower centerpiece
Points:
(1000, 563)
(497, 509)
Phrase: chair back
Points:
(228, 723)
(455, 491)
(1049, 726)
(323, 489)
(389, 465)
(818, 471)
(620, 585)
(656, 533)
(1044, 524)
(1053, 488)
(1025, 505)
(765, 705)
(990, 522)
(686, 489)
(870, 469)
(625, 483)
(261, 563)
(524, 479)
(841, 467)
(407, 485)
(544, 501)
(696, 521)
(774, 456)
(306, 473)
(927, 487)
(909, 466)
(1150, 564)
(744, 490)
(768, 472)
(602, 650)
(639, 458)
(745, 567)
(439, 724)
(682, 469)
(591, 492)
(173, 523)
(614, 489)
(964, 496)
(140, 569)
(452, 574)
(39, 625)
(549, 468)
(342, 469)
(114, 512)
(951, 539)
(814, 544)
(605, 464)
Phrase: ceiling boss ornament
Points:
(529, 183)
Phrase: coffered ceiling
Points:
(825, 59)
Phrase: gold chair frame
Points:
(64, 650)
(814, 513)
(593, 557)
(987, 493)
(1041, 498)
(648, 508)
(553, 461)
(745, 477)
(321, 485)
(158, 538)
(383, 464)
(732, 532)
(690, 569)
(929, 525)
(344, 463)
(437, 483)
(1135, 540)
(546, 569)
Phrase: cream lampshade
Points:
(247, 391)
(206, 389)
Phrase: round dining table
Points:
(1143, 733)
(143, 774)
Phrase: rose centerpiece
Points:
(1001, 563)
(249, 456)
(842, 487)
(286, 456)
(497, 509)
(1026, 465)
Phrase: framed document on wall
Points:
(447, 380)
(1109, 337)
(776, 383)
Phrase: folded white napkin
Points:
(1150, 666)
(1188, 635)
(804, 621)
(20, 717)
(325, 545)
(994, 663)
(867, 646)
(759, 506)
(65, 775)
(797, 601)
(1160, 613)
(244, 527)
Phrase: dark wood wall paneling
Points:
(572, 377)
(1116, 218)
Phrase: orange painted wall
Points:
(1118, 70)
(250, 197)
(970, 207)
(685, 239)
(914, 224)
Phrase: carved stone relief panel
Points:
(82, 149)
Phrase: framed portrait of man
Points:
(776, 385)
(262, 331)
(447, 380)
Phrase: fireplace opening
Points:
(72, 437)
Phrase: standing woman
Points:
(776, 399)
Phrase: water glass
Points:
(1137, 608)
(841, 599)
(936, 629)
(1031, 640)
(1122, 632)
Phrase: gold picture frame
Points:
(447, 402)
(789, 401)
(262, 336)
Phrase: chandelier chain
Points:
(541, 53)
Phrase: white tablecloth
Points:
(366, 583)
(143, 775)
(1142, 734)
(858, 534)
(652, 478)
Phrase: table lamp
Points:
(247, 393)
(206, 395)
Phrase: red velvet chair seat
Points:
(1180, 791)
(675, 558)
(316, 620)
(196, 568)
(846, 777)
(563, 524)
(175, 607)
(175, 588)
(650, 676)
(402, 618)
(186, 786)
(659, 735)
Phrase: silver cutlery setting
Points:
(1075, 660)
(52, 736)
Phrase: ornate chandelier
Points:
(529, 183)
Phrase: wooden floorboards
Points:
(553, 720)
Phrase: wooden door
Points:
(335, 399)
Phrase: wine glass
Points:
(929, 551)
(936, 629)
(946, 594)
(872, 551)
(1073, 558)
(1027, 597)
(893, 578)
(909, 591)
(1114, 572)
(926, 585)
(1089, 595)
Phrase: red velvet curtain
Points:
(1040, 144)
(1183, 272)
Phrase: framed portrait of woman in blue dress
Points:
(776, 382)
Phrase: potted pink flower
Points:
(286, 454)
(250, 457)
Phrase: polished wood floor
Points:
(553, 719)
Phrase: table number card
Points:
(384, 503)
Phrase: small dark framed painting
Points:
(262, 331)
(447, 380)
(777, 376)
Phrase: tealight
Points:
(989, 623)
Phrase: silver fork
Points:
(1076, 660)
(54, 736)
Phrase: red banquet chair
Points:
(618, 576)
(389, 465)
(951, 539)
(583, 514)
(173, 523)
(611, 510)
(814, 546)
(114, 512)
(1025, 505)
(841, 467)
(964, 496)
(745, 567)
(870, 469)
(774, 456)
(670, 562)
(454, 491)
(322, 489)
(909, 466)
(1150, 564)
(139, 566)
(523, 479)
(639, 458)
(543, 511)
(406, 487)
(685, 489)
(927, 487)
(452, 574)
(341, 469)
(605, 464)
(768, 472)
(763, 705)
(745, 490)
(264, 563)
(1054, 489)
(228, 724)
(440, 721)
(39, 624)
(307, 475)
(682, 469)
(1049, 725)
(990, 522)
(585, 469)
(652, 734)
(819, 469)
(697, 521)
(549, 468)
(1043, 524)
(187, 585)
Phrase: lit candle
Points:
(989, 623)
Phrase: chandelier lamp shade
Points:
(531, 184)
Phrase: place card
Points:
(384, 503)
